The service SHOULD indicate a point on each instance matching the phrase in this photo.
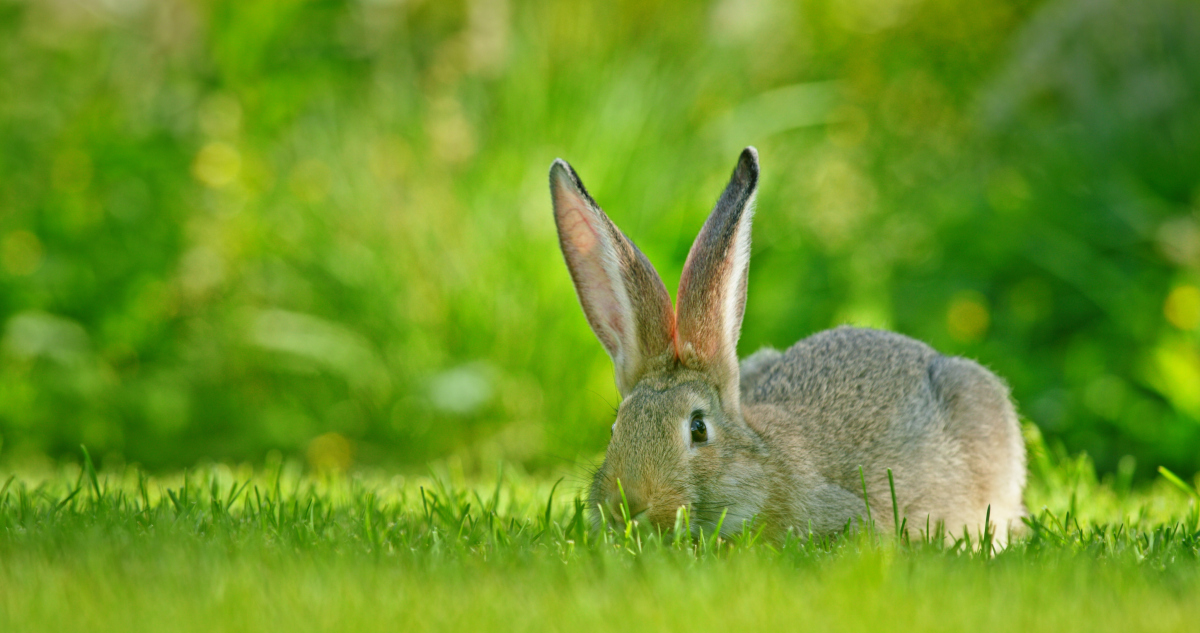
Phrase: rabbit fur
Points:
(784, 433)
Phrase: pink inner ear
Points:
(712, 292)
(700, 337)
(585, 254)
(579, 233)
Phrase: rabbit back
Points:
(853, 397)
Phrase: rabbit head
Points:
(679, 439)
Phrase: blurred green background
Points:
(323, 228)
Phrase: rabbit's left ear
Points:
(712, 289)
(622, 296)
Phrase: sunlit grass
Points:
(225, 548)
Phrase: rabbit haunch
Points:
(780, 438)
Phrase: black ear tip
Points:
(559, 168)
(747, 167)
(561, 173)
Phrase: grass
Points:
(239, 549)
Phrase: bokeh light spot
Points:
(462, 390)
(451, 135)
(330, 452)
(968, 318)
(487, 36)
(217, 165)
(1178, 372)
(1179, 241)
(872, 16)
(21, 253)
(844, 199)
(1182, 307)
(201, 270)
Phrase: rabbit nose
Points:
(637, 508)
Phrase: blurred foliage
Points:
(322, 227)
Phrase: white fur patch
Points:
(748, 503)
(733, 301)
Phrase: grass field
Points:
(237, 549)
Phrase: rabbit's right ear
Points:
(622, 295)
(712, 288)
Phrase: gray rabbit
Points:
(781, 438)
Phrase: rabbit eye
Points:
(699, 430)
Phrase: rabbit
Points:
(778, 441)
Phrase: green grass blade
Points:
(1178, 482)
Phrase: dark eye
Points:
(699, 430)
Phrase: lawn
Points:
(240, 549)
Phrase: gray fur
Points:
(756, 367)
(787, 432)
(852, 397)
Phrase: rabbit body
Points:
(851, 397)
(783, 438)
